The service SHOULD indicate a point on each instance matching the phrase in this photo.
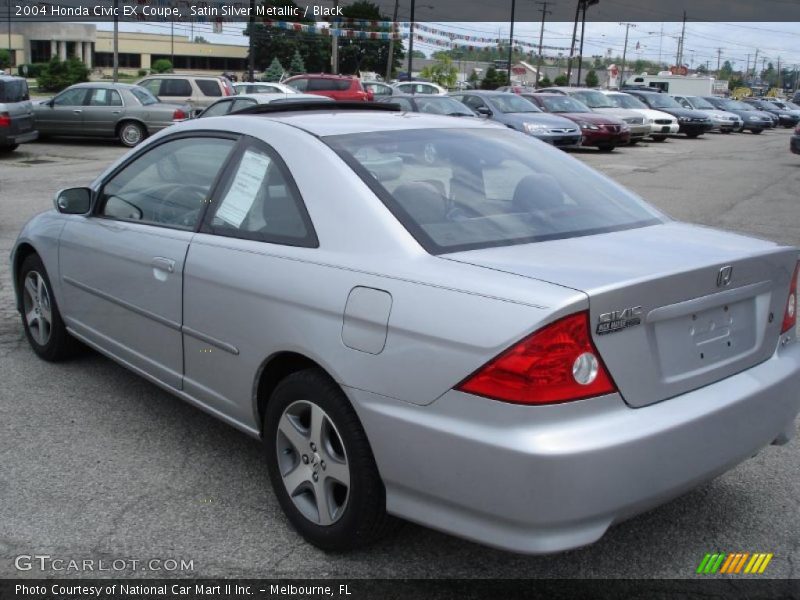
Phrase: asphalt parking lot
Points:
(97, 463)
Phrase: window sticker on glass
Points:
(244, 189)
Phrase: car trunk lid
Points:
(673, 307)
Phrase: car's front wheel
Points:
(41, 318)
(321, 464)
(756, 131)
(9, 148)
(606, 148)
(658, 138)
(131, 133)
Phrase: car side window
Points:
(474, 102)
(223, 107)
(175, 87)
(152, 85)
(73, 97)
(301, 85)
(260, 201)
(684, 102)
(168, 185)
(104, 97)
(242, 103)
(402, 103)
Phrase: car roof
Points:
(321, 76)
(325, 122)
(545, 95)
(266, 98)
(104, 84)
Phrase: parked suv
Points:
(338, 87)
(197, 92)
(16, 114)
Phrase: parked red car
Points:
(601, 131)
(338, 87)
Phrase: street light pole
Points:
(251, 51)
(572, 46)
(545, 12)
(116, 41)
(390, 60)
(411, 40)
(511, 40)
(580, 52)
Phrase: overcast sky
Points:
(737, 40)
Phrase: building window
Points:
(40, 51)
(204, 63)
(127, 60)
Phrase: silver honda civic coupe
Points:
(501, 344)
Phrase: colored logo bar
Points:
(734, 563)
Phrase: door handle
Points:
(163, 264)
(77, 111)
(116, 112)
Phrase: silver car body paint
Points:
(398, 329)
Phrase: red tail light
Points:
(227, 87)
(370, 95)
(558, 363)
(178, 115)
(5, 119)
(790, 314)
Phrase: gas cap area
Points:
(366, 319)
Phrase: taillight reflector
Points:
(557, 363)
(5, 119)
(790, 314)
(178, 115)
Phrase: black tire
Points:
(131, 133)
(693, 135)
(756, 131)
(363, 519)
(59, 344)
(658, 138)
(606, 148)
(633, 142)
(9, 149)
(726, 131)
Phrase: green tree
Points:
(297, 65)
(473, 78)
(199, 39)
(421, 54)
(58, 75)
(591, 79)
(726, 71)
(561, 80)
(5, 59)
(162, 65)
(443, 72)
(544, 81)
(366, 55)
(493, 79)
(275, 71)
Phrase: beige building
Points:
(39, 42)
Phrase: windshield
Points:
(626, 101)
(663, 101)
(563, 104)
(593, 99)
(511, 103)
(736, 105)
(144, 96)
(699, 103)
(443, 105)
(486, 188)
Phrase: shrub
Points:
(162, 65)
(591, 79)
(33, 70)
(57, 75)
(142, 72)
(561, 80)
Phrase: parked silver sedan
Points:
(129, 113)
(231, 104)
(504, 345)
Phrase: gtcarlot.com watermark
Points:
(47, 563)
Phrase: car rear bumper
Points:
(661, 129)
(18, 138)
(795, 144)
(550, 478)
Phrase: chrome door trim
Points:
(230, 348)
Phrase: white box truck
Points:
(679, 84)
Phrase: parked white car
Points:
(661, 124)
(263, 87)
(724, 121)
(419, 87)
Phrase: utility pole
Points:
(755, 62)
(10, 51)
(583, 31)
(335, 45)
(796, 77)
(172, 43)
(411, 40)
(511, 40)
(660, 45)
(679, 57)
(390, 60)
(251, 54)
(780, 79)
(544, 12)
(624, 53)
(572, 46)
(116, 41)
(719, 60)
(747, 68)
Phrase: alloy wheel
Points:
(37, 306)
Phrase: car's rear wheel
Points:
(693, 135)
(131, 133)
(606, 148)
(658, 138)
(321, 464)
(41, 318)
(756, 131)
(10, 148)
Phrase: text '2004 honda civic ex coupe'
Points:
(501, 343)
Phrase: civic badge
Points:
(724, 276)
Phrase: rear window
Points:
(487, 188)
(329, 85)
(209, 87)
(14, 90)
(143, 95)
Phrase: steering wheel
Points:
(171, 211)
